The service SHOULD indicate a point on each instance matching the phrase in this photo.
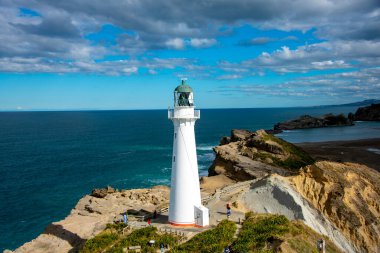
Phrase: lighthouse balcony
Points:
(184, 114)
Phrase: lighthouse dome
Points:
(183, 88)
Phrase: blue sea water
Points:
(49, 160)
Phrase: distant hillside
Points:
(359, 103)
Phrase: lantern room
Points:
(183, 95)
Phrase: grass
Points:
(112, 240)
(298, 158)
(268, 232)
(260, 233)
(213, 240)
(100, 242)
(258, 230)
(141, 237)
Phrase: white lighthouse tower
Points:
(185, 198)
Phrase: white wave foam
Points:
(157, 181)
(205, 148)
(374, 150)
(208, 157)
(164, 170)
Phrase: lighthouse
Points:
(185, 197)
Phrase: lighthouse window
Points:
(173, 158)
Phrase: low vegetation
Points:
(275, 233)
(264, 233)
(113, 240)
(297, 157)
(213, 240)
(261, 231)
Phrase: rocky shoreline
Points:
(307, 121)
(368, 113)
(256, 172)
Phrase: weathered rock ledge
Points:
(248, 155)
(91, 215)
(307, 121)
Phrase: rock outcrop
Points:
(102, 192)
(368, 113)
(307, 121)
(91, 215)
(349, 196)
(248, 155)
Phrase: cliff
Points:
(91, 215)
(307, 121)
(348, 195)
(368, 113)
(249, 155)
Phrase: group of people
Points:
(125, 218)
(228, 249)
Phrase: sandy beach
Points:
(365, 151)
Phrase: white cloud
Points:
(176, 43)
(201, 43)
(130, 70)
(229, 77)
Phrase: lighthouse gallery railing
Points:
(172, 114)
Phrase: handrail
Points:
(173, 115)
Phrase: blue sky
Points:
(82, 54)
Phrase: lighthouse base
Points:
(181, 224)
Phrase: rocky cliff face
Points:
(90, 216)
(248, 155)
(349, 196)
(346, 194)
(368, 113)
(307, 121)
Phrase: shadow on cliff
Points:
(73, 239)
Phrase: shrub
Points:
(213, 240)
(258, 230)
(100, 242)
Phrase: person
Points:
(320, 245)
(155, 214)
(148, 220)
(125, 218)
(162, 248)
(226, 250)
(228, 211)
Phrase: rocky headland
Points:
(307, 121)
(368, 113)
(249, 155)
(254, 172)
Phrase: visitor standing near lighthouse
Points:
(185, 197)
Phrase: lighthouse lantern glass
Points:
(183, 99)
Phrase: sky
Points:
(131, 54)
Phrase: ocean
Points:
(49, 160)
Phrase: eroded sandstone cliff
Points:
(348, 195)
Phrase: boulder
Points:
(102, 192)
